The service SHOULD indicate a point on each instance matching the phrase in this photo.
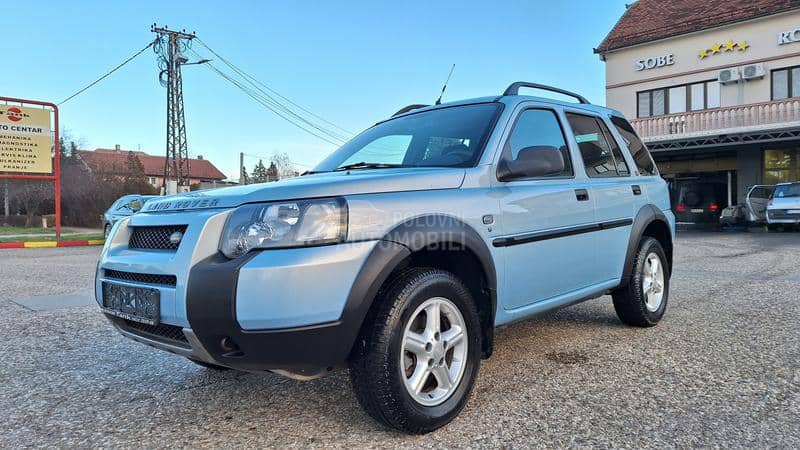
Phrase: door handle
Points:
(582, 195)
(636, 189)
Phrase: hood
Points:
(329, 184)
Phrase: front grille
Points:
(155, 237)
(782, 214)
(166, 280)
(169, 334)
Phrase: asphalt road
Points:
(721, 370)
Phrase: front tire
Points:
(643, 301)
(416, 360)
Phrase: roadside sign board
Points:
(25, 142)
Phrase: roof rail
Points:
(408, 108)
(514, 90)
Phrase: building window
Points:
(678, 99)
(781, 165)
(151, 181)
(786, 83)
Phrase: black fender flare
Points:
(435, 231)
(647, 214)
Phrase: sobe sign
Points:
(655, 62)
(25, 140)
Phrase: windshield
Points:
(446, 137)
(787, 190)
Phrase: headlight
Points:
(284, 224)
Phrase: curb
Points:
(50, 244)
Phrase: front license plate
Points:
(133, 303)
(793, 211)
(697, 210)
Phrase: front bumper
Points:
(280, 310)
(781, 216)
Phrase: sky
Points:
(351, 63)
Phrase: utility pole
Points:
(242, 177)
(169, 46)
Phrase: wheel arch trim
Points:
(647, 215)
(399, 244)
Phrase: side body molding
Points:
(647, 215)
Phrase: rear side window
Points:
(641, 157)
(601, 154)
(538, 128)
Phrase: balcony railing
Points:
(734, 119)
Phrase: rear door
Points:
(545, 251)
(614, 190)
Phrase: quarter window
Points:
(641, 157)
(601, 154)
(538, 128)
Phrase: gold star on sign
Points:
(702, 54)
(743, 46)
(715, 48)
(729, 45)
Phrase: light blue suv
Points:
(401, 253)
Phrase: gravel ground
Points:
(721, 370)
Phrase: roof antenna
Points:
(439, 100)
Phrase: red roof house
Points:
(651, 20)
(114, 161)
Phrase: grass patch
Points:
(71, 237)
(31, 230)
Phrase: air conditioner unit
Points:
(753, 71)
(731, 75)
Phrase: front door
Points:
(545, 253)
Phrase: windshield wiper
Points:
(366, 165)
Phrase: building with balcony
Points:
(712, 87)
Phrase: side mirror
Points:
(532, 162)
(135, 205)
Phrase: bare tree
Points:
(32, 195)
(285, 166)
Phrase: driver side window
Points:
(538, 128)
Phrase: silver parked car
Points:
(122, 208)
(784, 206)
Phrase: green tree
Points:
(135, 180)
(260, 173)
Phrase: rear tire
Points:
(404, 371)
(643, 301)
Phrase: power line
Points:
(276, 105)
(253, 79)
(270, 104)
(107, 74)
